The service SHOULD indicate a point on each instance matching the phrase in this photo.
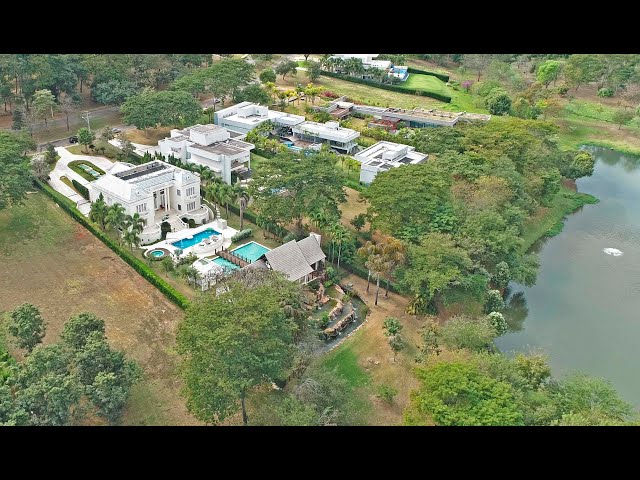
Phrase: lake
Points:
(584, 311)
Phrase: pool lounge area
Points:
(195, 239)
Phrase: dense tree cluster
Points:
(59, 383)
(474, 385)
(464, 212)
(15, 173)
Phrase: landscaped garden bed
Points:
(86, 170)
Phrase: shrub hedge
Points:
(82, 190)
(138, 265)
(442, 76)
(393, 88)
(242, 234)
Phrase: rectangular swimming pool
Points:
(226, 264)
(197, 238)
(250, 251)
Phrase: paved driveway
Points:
(62, 169)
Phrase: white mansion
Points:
(156, 191)
(221, 150)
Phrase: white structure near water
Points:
(245, 116)
(221, 150)
(383, 156)
(339, 138)
(156, 191)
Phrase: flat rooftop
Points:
(222, 148)
(328, 128)
(204, 128)
(374, 155)
(141, 170)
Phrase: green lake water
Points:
(584, 311)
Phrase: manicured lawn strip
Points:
(68, 183)
(144, 270)
(74, 165)
(549, 221)
(425, 83)
(444, 97)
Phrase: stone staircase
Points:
(177, 225)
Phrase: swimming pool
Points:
(250, 251)
(293, 147)
(157, 253)
(197, 238)
(226, 264)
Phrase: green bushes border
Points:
(138, 265)
(393, 88)
(82, 190)
(442, 76)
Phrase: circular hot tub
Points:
(157, 253)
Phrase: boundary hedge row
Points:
(138, 265)
(442, 76)
(393, 88)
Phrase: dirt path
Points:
(371, 346)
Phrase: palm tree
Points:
(393, 252)
(242, 195)
(136, 222)
(367, 252)
(227, 195)
(115, 218)
(340, 235)
(300, 91)
(131, 238)
(376, 265)
(213, 191)
(318, 218)
(99, 211)
(376, 72)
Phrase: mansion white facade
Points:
(213, 146)
(156, 191)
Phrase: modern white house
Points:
(156, 191)
(342, 139)
(213, 146)
(383, 156)
(245, 116)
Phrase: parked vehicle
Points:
(73, 139)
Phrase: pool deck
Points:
(200, 250)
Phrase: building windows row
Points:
(191, 191)
(191, 206)
(141, 208)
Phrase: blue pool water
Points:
(197, 238)
(293, 147)
(226, 264)
(157, 253)
(250, 251)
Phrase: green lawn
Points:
(370, 95)
(550, 220)
(345, 361)
(74, 165)
(109, 150)
(425, 83)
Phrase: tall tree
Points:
(86, 138)
(39, 167)
(286, 67)
(98, 212)
(166, 108)
(233, 341)
(548, 72)
(115, 218)
(394, 255)
(478, 62)
(27, 326)
(43, 104)
(282, 189)
(267, 76)
(77, 329)
(15, 174)
(69, 104)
